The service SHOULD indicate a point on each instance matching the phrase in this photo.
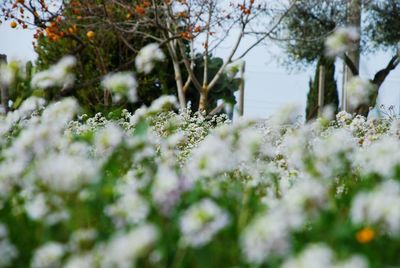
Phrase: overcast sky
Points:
(268, 85)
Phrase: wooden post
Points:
(344, 84)
(321, 90)
(354, 19)
(4, 88)
(241, 89)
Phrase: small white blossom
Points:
(122, 84)
(381, 157)
(37, 208)
(59, 75)
(81, 261)
(201, 222)
(130, 208)
(124, 249)
(148, 55)
(49, 255)
(65, 173)
(8, 252)
(380, 206)
(358, 91)
(341, 41)
(107, 139)
(314, 256)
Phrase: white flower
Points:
(30, 105)
(264, 237)
(65, 173)
(122, 84)
(314, 256)
(59, 113)
(380, 206)
(37, 207)
(49, 255)
(358, 91)
(107, 139)
(7, 75)
(201, 222)
(166, 188)
(287, 115)
(59, 75)
(81, 261)
(82, 237)
(381, 157)
(269, 234)
(343, 118)
(211, 157)
(332, 151)
(7, 250)
(354, 261)
(341, 41)
(130, 208)
(147, 57)
(166, 101)
(123, 249)
(320, 255)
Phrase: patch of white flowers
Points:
(158, 186)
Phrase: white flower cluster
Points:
(7, 251)
(270, 234)
(358, 91)
(201, 222)
(341, 41)
(147, 57)
(124, 249)
(381, 206)
(59, 75)
(122, 84)
(320, 255)
(49, 255)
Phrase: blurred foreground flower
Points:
(147, 57)
(121, 84)
(201, 222)
(341, 41)
(358, 91)
(59, 75)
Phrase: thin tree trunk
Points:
(4, 88)
(321, 90)
(179, 85)
(354, 19)
(203, 100)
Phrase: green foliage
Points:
(307, 26)
(331, 97)
(383, 22)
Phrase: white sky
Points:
(268, 85)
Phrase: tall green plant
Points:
(330, 92)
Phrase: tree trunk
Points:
(4, 88)
(203, 100)
(179, 85)
(354, 19)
